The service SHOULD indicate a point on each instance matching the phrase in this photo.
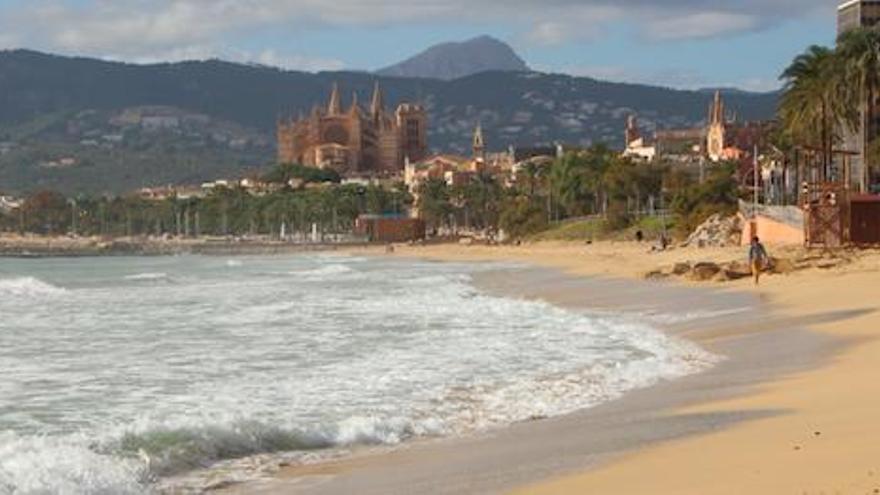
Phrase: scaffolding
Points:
(825, 196)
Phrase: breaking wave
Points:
(326, 272)
(28, 287)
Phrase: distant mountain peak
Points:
(455, 60)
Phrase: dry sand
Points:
(826, 440)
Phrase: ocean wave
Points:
(234, 263)
(407, 351)
(147, 276)
(326, 272)
(47, 465)
(28, 287)
(137, 462)
(691, 316)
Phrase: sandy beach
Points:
(792, 410)
(822, 438)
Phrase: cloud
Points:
(174, 29)
(671, 77)
(702, 25)
(311, 64)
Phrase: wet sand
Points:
(760, 344)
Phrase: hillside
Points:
(55, 107)
(450, 61)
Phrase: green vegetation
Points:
(618, 195)
(825, 93)
(694, 203)
(224, 211)
(284, 173)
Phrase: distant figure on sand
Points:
(757, 259)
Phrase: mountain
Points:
(85, 125)
(449, 61)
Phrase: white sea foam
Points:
(376, 353)
(690, 316)
(325, 272)
(148, 276)
(44, 465)
(28, 287)
(234, 263)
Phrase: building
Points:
(854, 14)
(355, 141)
(385, 229)
(637, 147)
(721, 139)
(715, 131)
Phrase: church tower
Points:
(412, 123)
(715, 133)
(479, 144)
(632, 133)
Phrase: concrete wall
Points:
(772, 232)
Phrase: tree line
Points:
(595, 182)
(318, 200)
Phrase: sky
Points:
(676, 43)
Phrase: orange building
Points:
(355, 141)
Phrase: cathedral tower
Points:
(479, 144)
(715, 136)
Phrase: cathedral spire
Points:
(335, 106)
(717, 113)
(355, 105)
(479, 143)
(378, 104)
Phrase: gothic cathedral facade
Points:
(356, 142)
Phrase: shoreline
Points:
(824, 442)
(488, 462)
(86, 247)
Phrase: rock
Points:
(736, 274)
(781, 266)
(736, 270)
(716, 231)
(680, 269)
(703, 272)
(656, 275)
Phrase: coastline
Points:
(762, 346)
(82, 247)
(823, 439)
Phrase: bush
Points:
(283, 173)
(695, 203)
(522, 217)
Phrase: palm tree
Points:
(814, 101)
(859, 54)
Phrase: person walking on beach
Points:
(757, 259)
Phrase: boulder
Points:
(781, 266)
(680, 269)
(703, 272)
(716, 231)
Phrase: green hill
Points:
(54, 107)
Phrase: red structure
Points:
(865, 220)
(389, 229)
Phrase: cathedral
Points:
(356, 141)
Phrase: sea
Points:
(138, 375)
